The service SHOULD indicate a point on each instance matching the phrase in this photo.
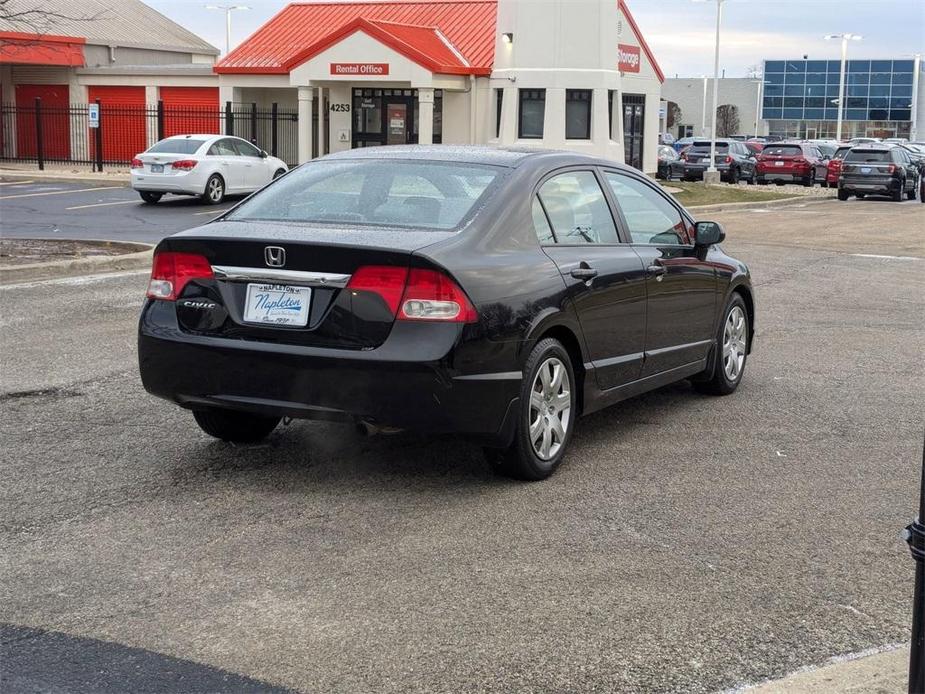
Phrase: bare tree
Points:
(727, 120)
(28, 17)
(673, 116)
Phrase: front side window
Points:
(246, 149)
(650, 218)
(578, 114)
(577, 209)
(392, 193)
(532, 115)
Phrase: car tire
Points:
(278, 173)
(842, 194)
(860, 196)
(234, 426)
(215, 190)
(761, 182)
(810, 180)
(150, 198)
(922, 189)
(730, 354)
(899, 193)
(751, 180)
(733, 178)
(544, 426)
(913, 192)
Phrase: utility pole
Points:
(845, 38)
(228, 9)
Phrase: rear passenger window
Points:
(650, 217)
(541, 224)
(577, 209)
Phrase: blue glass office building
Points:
(800, 95)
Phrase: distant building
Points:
(799, 98)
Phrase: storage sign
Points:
(629, 58)
(93, 115)
(374, 69)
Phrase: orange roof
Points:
(415, 29)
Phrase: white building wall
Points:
(688, 94)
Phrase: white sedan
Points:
(211, 166)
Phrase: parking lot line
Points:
(885, 257)
(15, 183)
(58, 192)
(102, 204)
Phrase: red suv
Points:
(792, 162)
(834, 169)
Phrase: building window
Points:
(499, 101)
(578, 114)
(532, 114)
(634, 115)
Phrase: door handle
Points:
(584, 273)
(657, 270)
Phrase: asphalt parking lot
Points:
(688, 544)
(96, 210)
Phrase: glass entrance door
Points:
(398, 124)
(634, 113)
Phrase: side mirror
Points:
(263, 154)
(708, 233)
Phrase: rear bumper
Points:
(697, 170)
(398, 384)
(183, 184)
(869, 184)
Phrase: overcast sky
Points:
(680, 32)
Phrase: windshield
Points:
(871, 156)
(409, 194)
(176, 145)
(783, 151)
(841, 152)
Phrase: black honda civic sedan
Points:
(497, 293)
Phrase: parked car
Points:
(734, 161)
(683, 142)
(797, 162)
(863, 140)
(833, 169)
(896, 140)
(444, 289)
(666, 139)
(879, 169)
(211, 166)
(666, 155)
(754, 146)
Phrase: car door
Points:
(604, 276)
(681, 285)
(230, 165)
(256, 173)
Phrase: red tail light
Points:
(728, 159)
(891, 169)
(682, 156)
(172, 271)
(184, 164)
(137, 163)
(426, 295)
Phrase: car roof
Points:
(510, 157)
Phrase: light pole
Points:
(711, 170)
(845, 38)
(913, 130)
(228, 9)
(759, 80)
(703, 119)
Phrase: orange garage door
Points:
(122, 120)
(56, 130)
(189, 110)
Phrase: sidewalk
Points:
(62, 172)
(881, 672)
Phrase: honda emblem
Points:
(275, 256)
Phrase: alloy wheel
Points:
(216, 189)
(735, 342)
(550, 408)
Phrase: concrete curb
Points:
(782, 202)
(66, 176)
(137, 260)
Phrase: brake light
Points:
(184, 164)
(682, 156)
(728, 159)
(431, 295)
(172, 271)
(387, 281)
(891, 168)
(418, 294)
(137, 163)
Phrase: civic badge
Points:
(275, 256)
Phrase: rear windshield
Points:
(841, 152)
(783, 151)
(871, 156)
(177, 145)
(409, 194)
(704, 147)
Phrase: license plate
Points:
(778, 163)
(277, 304)
(865, 169)
(157, 168)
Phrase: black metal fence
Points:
(42, 134)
